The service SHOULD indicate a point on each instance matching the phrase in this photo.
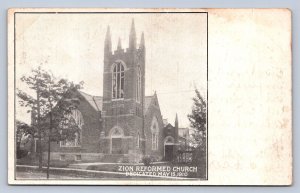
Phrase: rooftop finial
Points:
(142, 42)
(132, 36)
(107, 42)
(119, 44)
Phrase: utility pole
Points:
(38, 126)
(49, 137)
(49, 144)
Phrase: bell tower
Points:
(123, 95)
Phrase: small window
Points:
(77, 157)
(138, 140)
(139, 85)
(102, 134)
(155, 132)
(154, 141)
(62, 143)
(62, 157)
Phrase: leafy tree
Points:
(22, 130)
(35, 82)
(198, 117)
(198, 122)
(51, 109)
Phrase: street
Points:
(42, 175)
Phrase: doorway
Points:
(169, 152)
(116, 145)
(169, 148)
(116, 136)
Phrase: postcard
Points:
(149, 96)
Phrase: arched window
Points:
(116, 132)
(154, 133)
(169, 140)
(118, 81)
(74, 121)
(138, 85)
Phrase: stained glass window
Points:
(118, 81)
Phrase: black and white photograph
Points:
(160, 96)
(110, 96)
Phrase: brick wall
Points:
(90, 132)
(154, 111)
(124, 113)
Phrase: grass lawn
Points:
(32, 161)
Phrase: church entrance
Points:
(116, 146)
(168, 152)
(169, 148)
(116, 135)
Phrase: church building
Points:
(123, 125)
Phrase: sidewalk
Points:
(31, 172)
(86, 165)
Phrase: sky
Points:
(71, 46)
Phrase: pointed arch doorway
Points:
(116, 135)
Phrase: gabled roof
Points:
(169, 125)
(148, 100)
(98, 101)
(94, 101)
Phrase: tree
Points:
(22, 130)
(198, 122)
(35, 82)
(51, 108)
(198, 117)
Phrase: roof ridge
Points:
(95, 103)
(89, 94)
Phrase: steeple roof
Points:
(132, 36)
(107, 42)
(142, 42)
(119, 44)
